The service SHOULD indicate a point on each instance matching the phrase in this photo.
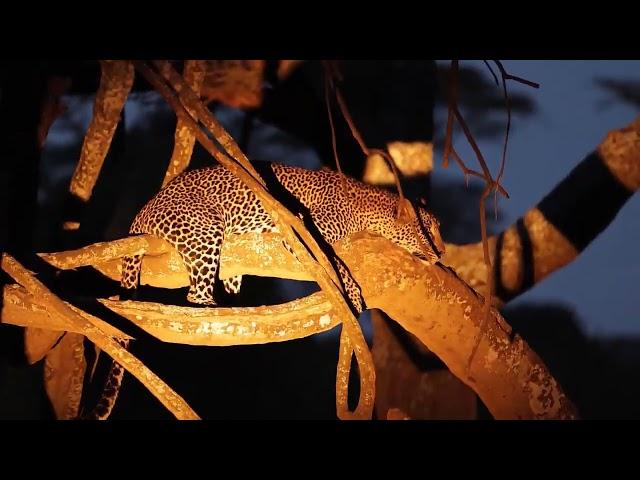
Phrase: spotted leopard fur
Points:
(200, 208)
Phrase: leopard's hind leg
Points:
(129, 281)
(199, 244)
(130, 278)
(232, 285)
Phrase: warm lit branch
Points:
(191, 326)
(265, 254)
(445, 314)
(64, 369)
(115, 83)
(230, 326)
(550, 252)
(23, 309)
(104, 251)
(57, 307)
(184, 139)
(542, 238)
(411, 158)
(620, 152)
(435, 306)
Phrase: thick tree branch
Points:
(620, 152)
(430, 302)
(433, 304)
(564, 223)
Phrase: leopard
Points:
(201, 208)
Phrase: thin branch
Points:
(354, 131)
(403, 205)
(495, 77)
(508, 76)
(505, 76)
(487, 260)
(468, 171)
(507, 101)
(327, 100)
(453, 102)
(473, 144)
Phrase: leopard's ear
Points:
(422, 201)
(405, 212)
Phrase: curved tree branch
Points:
(564, 223)
(446, 315)
(231, 326)
(429, 301)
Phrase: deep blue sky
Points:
(602, 285)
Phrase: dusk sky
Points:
(602, 284)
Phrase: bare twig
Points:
(505, 76)
(453, 101)
(403, 206)
(495, 77)
(508, 76)
(490, 183)
(327, 99)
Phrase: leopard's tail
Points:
(131, 267)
